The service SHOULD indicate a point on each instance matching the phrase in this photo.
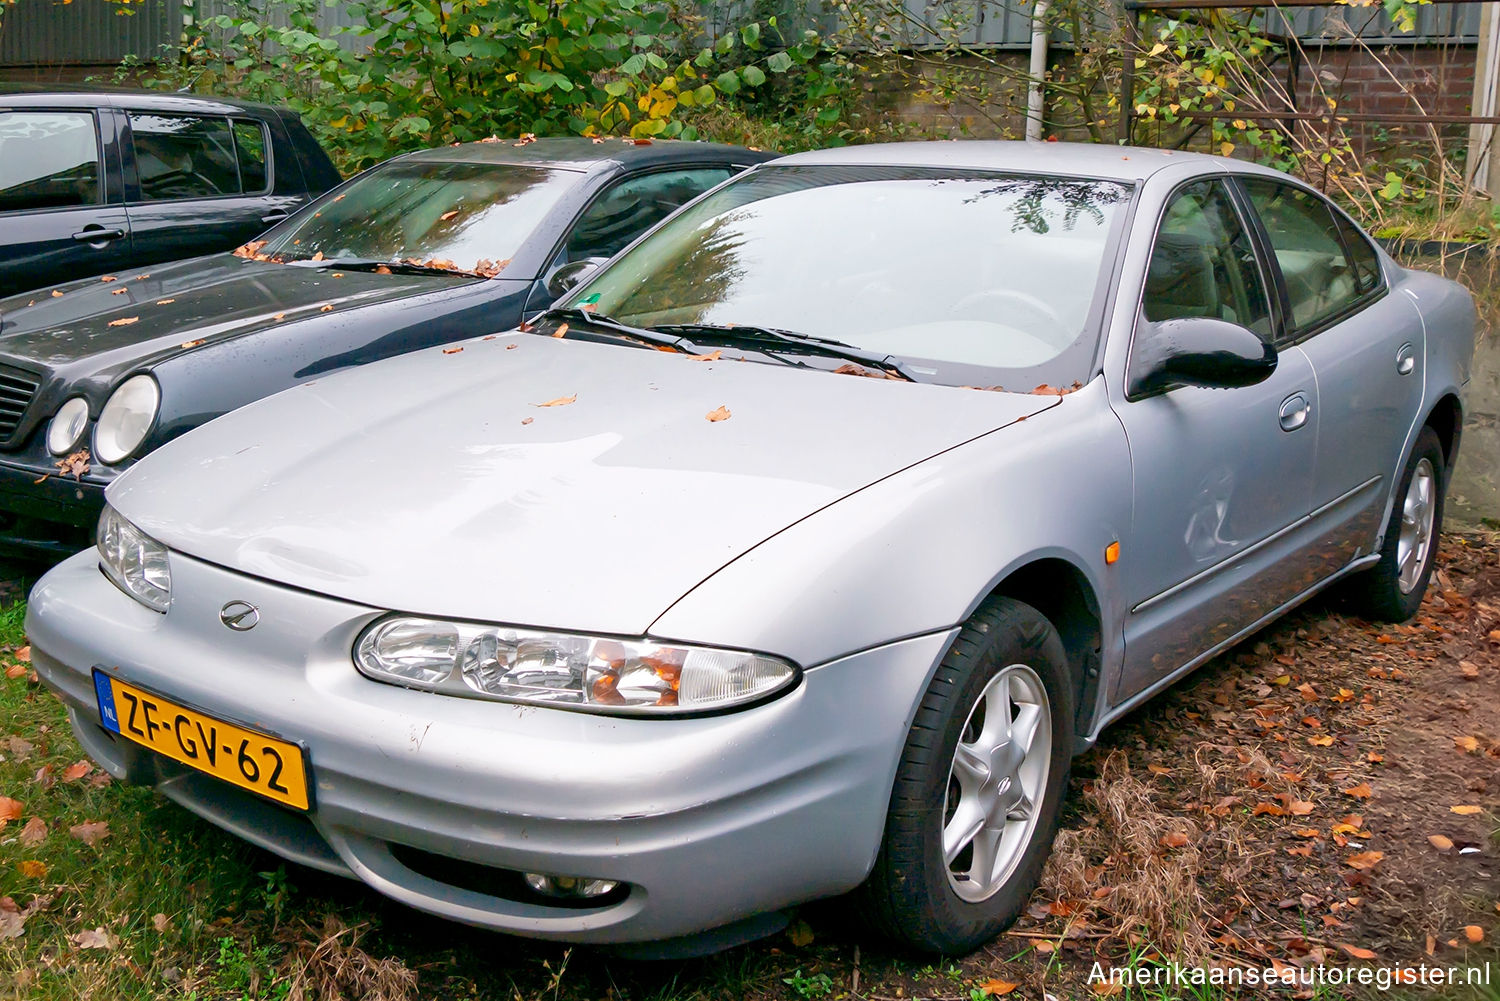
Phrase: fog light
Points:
(568, 887)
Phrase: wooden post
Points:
(1483, 173)
(1128, 52)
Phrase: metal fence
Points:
(89, 32)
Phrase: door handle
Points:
(1295, 410)
(275, 216)
(94, 233)
(1406, 359)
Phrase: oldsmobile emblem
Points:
(240, 616)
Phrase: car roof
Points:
(1116, 163)
(581, 153)
(23, 96)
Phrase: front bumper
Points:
(49, 519)
(707, 821)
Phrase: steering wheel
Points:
(1000, 298)
(164, 184)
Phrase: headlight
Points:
(136, 562)
(67, 426)
(630, 677)
(126, 418)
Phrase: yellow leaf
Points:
(1440, 842)
(474, 30)
(561, 401)
(1465, 810)
(1226, 148)
(1467, 744)
(997, 988)
(721, 414)
(33, 869)
(1157, 49)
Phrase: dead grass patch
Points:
(328, 964)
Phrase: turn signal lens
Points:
(637, 677)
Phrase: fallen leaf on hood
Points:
(56, 294)
(1441, 842)
(142, 277)
(338, 274)
(1473, 933)
(850, 368)
(490, 139)
(1364, 860)
(120, 291)
(639, 142)
(165, 302)
(76, 771)
(714, 355)
(561, 331)
(32, 869)
(192, 343)
(526, 139)
(598, 139)
(10, 809)
(448, 215)
(34, 833)
(511, 347)
(452, 351)
(1356, 951)
(1465, 810)
(279, 316)
(90, 833)
(721, 414)
(108, 278)
(327, 308)
(97, 938)
(123, 321)
(527, 420)
(561, 401)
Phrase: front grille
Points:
(17, 387)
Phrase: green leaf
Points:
(779, 62)
(724, 44)
(728, 82)
(752, 76)
(703, 96)
(750, 34)
(617, 88)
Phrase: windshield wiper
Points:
(609, 325)
(373, 265)
(776, 339)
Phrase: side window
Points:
(633, 206)
(183, 156)
(1321, 281)
(1203, 263)
(48, 159)
(1361, 255)
(250, 151)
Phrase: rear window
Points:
(48, 159)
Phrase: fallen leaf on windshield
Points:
(90, 833)
(561, 401)
(165, 302)
(452, 351)
(486, 268)
(109, 278)
(599, 139)
(382, 270)
(338, 198)
(56, 294)
(123, 321)
(526, 139)
(328, 308)
(639, 142)
(711, 356)
(721, 414)
(249, 250)
(448, 215)
(192, 344)
(317, 257)
(279, 316)
(561, 331)
(852, 369)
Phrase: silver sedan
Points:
(795, 552)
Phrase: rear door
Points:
(60, 215)
(198, 184)
(1367, 350)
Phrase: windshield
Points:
(459, 216)
(958, 272)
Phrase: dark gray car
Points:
(424, 249)
(95, 181)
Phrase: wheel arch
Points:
(1446, 420)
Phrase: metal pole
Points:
(1036, 87)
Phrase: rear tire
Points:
(978, 789)
(1392, 590)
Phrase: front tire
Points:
(1392, 590)
(978, 789)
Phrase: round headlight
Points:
(126, 418)
(67, 426)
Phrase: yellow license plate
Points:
(251, 760)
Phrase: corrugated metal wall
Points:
(44, 33)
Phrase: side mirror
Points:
(1197, 351)
(571, 275)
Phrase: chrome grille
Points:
(17, 387)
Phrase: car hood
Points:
(535, 481)
(144, 315)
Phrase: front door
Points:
(1221, 477)
(55, 222)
